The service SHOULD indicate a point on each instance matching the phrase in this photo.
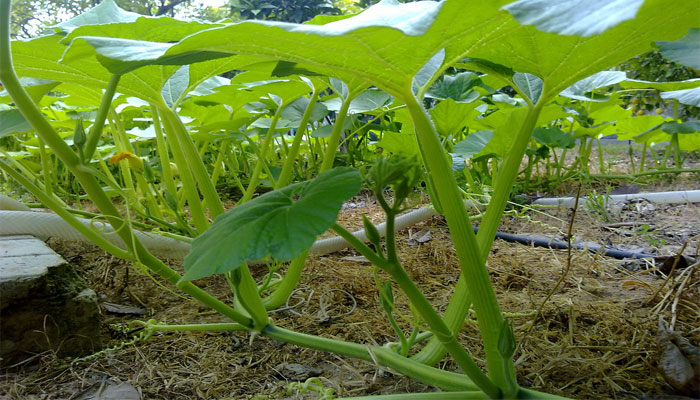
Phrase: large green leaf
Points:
(40, 58)
(386, 45)
(666, 86)
(574, 17)
(563, 60)
(107, 12)
(685, 51)
(687, 96)
(583, 89)
(275, 224)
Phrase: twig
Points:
(670, 274)
(679, 292)
(568, 262)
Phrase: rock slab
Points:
(44, 304)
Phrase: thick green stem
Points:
(262, 157)
(286, 174)
(447, 337)
(647, 173)
(334, 139)
(167, 178)
(188, 181)
(45, 168)
(212, 327)
(601, 159)
(464, 239)
(194, 162)
(285, 288)
(459, 304)
(382, 356)
(98, 125)
(246, 291)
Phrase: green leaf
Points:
(666, 86)
(399, 143)
(425, 74)
(553, 137)
(574, 17)
(365, 102)
(107, 12)
(457, 87)
(176, 85)
(529, 84)
(685, 51)
(295, 111)
(583, 89)
(272, 225)
(672, 127)
(563, 60)
(628, 128)
(689, 96)
(450, 117)
(473, 144)
(36, 88)
(12, 121)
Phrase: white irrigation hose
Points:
(17, 219)
(688, 196)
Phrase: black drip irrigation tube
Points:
(558, 244)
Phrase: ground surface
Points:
(593, 337)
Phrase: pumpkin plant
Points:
(401, 49)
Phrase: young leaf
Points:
(553, 137)
(473, 144)
(176, 85)
(458, 88)
(273, 225)
(529, 84)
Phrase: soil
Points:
(586, 324)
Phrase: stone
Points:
(44, 304)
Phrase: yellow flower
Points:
(134, 162)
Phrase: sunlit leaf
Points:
(574, 17)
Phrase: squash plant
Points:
(402, 49)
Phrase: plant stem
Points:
(647, 173)
(334, 139)
(286, 174)
(443, 379)
(441, 331)
(189, 186)
(267, 143)
(194, 162)
(162, 148)
(464, 239)
(98, 125)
